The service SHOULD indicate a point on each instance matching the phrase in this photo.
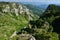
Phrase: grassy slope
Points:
(9, 24)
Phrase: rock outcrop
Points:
(25, 36)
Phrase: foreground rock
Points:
(24, 36)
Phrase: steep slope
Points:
(13, 17)
(36, 10)
(52, 15)
(47, 26)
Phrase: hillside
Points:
(17, 22)
(52, 15)
(47, 26)
(13, 17)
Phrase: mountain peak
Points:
(52, 10)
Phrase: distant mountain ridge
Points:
(35, 9)
(38, 4)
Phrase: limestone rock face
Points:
(17, 9)
(6, 9)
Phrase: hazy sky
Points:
(43, 1)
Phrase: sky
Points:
(41, 1)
